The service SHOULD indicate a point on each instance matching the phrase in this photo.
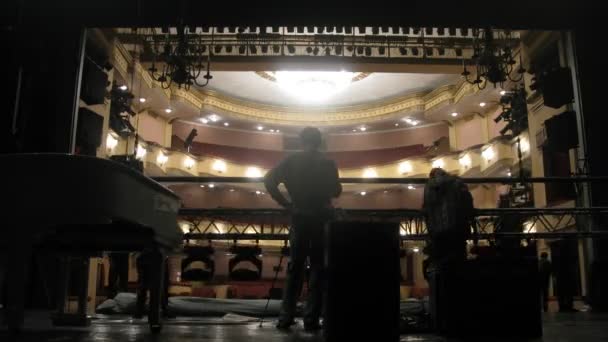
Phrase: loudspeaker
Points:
(557, 87)
(362, 307)
(88, 135)
(94, 83)
(561, 130)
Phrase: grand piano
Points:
(80, 205)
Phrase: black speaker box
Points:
(362, 307)
(557, 88)
(94, 83)
(562, 133)
(90, 128)
(487, 297)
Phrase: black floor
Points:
(577, 327)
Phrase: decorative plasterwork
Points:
(321, 116)
(269, 76)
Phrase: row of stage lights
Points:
(332, 50)
(340, 30)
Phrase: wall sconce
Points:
(488, 153)
(219, 166)
(189, 163)
(370, 173)
(253, 172)
(405, 167)
(161, 159)
(111, 142)
(141, 152)
(438, 164)
(465, 161)
(524, 145)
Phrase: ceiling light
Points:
(253, 172)
(202, 185)
(214, 118)
(438, 164)
(411, 187)
(386, 191)
(211, 185)
(277, 131)
(482, 104)
(396, 125)
(370, 173)
(219, 166)
(405, 167)
(509, 174)
(142, 99)
(204, 120)
(260, 128)
(272, 131)
(454, 114)
(416, 249)
(231, 190)
(362, 193)
(226, 124)
(313, 86)
(123, 87)
(141, 152)
(168, 110)
(414, 122)
(354, 130)
(258, 192)
(502, 92)
(362, 128)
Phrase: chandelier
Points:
(182, 57)
(313, 87)
(493, 59)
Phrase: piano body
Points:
(79, 205)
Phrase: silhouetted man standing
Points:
(311, 181)
(544, 271)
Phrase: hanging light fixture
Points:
(493, 59)
(181, 57)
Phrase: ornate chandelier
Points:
(182, 57)
(493, 59)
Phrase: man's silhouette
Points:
(544, 271)
(311, 181)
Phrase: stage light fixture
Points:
(415, 51)
(338, 50)
(264, 48)
(428, 51)
(359, 50)
(253, 49)
(309, 50)
(276, 49)
(229, 48)
(242, 49)
(348, 30)
(403, 51)
(300, 29)
(361, 29)
(310, 29)
(368, 51)
(217, 49)
(396, 29)
(291, 49)
(428, 30)
(382, 50)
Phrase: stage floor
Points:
(575, 327)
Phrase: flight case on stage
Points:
(363, 274)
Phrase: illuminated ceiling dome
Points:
(313, 87)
